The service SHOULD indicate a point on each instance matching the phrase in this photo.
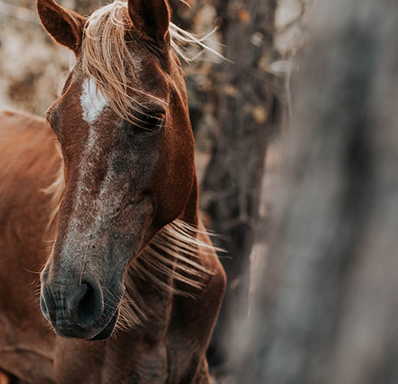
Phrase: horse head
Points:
(128, 156)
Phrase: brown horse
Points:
(131, 263)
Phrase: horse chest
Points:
(109, 363)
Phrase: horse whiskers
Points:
(122, 322)
(35, 282)
(34, 272)
(48, 241)
(37, 292)
(115, 300)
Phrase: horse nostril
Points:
(85, 305)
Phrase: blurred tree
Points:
(234, 176)
(84, 7)
(326, 309)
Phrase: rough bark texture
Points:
(233, 179)
(327, 308)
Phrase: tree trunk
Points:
(233, 179)
(326, 311)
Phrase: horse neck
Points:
(144, 276)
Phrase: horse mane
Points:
(172, 256)
(107, 59)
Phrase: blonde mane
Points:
(173, 256)
(108, 60)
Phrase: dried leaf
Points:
(244, 16)
(260, 114)
(230, 90)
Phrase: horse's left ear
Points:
(65, 26)
(151, 19)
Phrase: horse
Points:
(101, 198)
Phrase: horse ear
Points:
(65, 26)
(151, 19)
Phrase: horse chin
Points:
(108, 330)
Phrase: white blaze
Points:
(92, 101)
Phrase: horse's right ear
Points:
(64, 26)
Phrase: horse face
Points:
(125, 177)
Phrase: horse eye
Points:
(149, 121)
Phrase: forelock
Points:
(109, 62)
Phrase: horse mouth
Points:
(76, 332)
(108, 330)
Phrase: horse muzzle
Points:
(77, 310)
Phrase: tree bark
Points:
(231, 189)
(326, 311)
